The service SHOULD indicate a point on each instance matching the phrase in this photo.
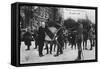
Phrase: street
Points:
(69, 54)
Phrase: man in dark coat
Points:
(60, 42)
(79, 40)
(27, 39)
(41, 38)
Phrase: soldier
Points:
(41, 38)
(60, 42)
(79, 40)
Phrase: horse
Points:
(49, 40)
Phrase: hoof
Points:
(56, 55)
(41, 55)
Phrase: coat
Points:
(27, 38)
(41, 36)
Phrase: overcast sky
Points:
(79, 14)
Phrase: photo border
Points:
(62, 6)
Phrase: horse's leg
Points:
(54, 47)
(36, 45)
(86, 44)
(51, 44)
(83, 44)
(65, 44)
(91, 43)
(72, 45)
(75, 45)
(47, 47)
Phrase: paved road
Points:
(32, 56)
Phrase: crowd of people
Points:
(60, 40)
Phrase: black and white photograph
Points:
(56, 34)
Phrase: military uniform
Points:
(60, 42)
(41, 39)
